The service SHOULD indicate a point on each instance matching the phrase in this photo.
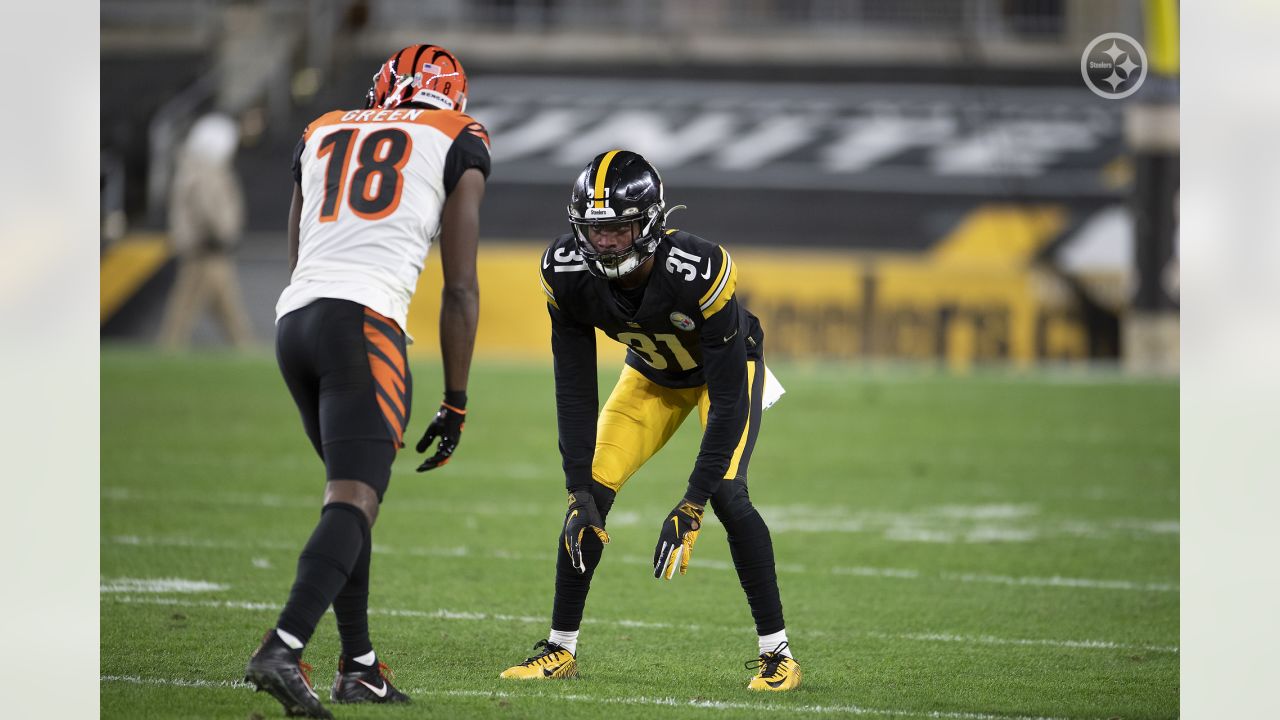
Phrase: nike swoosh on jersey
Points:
(706, 275)
(380, 692)
(731, 336)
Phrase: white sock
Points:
(293, 642)
(566, 640)
(366, 659)
(769, 643)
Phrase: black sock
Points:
(323, 568)
(752, 551)
(351, 607)
(572, 586)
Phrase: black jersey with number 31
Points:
(687, 310)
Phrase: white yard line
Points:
(440, 614)
(707, 564)
(877, 572)
(950, 524)
(758, 707)
(990, 640)
(174, 682)
(1057, 581)
(158, 585)
(469, 616)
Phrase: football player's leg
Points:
(357, 449)
(572, 586)
(635, 422)
(751, 548)
(752, 552)
(638, 419)
(555, 657)
(298, 368)
(385, 412)
(361, 415)
(351, 606)
(276, 666)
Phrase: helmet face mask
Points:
(618, 187)
(426, 74)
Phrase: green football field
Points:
(985, 547)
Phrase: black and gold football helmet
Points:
(618, 187)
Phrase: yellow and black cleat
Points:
(777, 672)
(553, 663)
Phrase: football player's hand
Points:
(447, 426)
(675, 542)
(581, 517)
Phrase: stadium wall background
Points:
(984, 293)
(815, 305)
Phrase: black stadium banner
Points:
(856, 166)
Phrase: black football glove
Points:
(675, 542)
(447, 426)
(582, 516)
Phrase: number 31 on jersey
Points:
(646, 348)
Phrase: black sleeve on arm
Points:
(573, 347)
(297, 160)
(469, 150)
(724, 365)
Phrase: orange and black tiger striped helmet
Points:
(424, 73)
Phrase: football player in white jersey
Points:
(373, 189)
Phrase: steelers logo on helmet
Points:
(618, 188)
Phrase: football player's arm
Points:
(295, 223)
(724, 365)
(573, 351)
(466, 166)
(295, 206)
(459, 314)
(460, 298)
(724, 361)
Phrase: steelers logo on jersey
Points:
(682, 321)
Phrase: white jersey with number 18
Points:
(374, 184)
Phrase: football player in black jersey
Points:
(669, 297)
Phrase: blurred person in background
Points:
(669, 296)
(206, 219)
(373, 188)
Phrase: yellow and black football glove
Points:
(675, 542)
(582, 516)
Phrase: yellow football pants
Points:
(640, 416)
